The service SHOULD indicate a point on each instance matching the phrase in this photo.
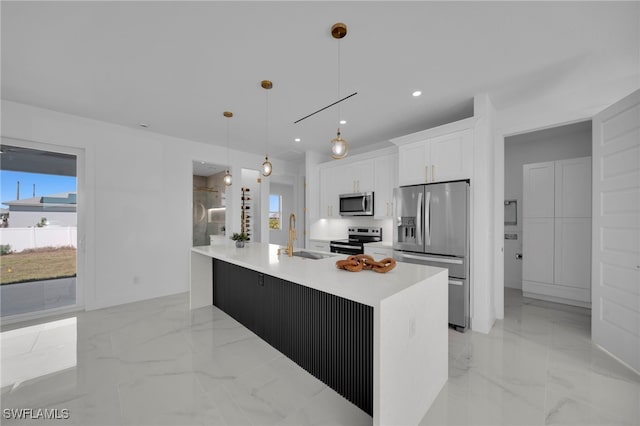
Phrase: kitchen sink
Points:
(311, 254)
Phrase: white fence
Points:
(25, 238)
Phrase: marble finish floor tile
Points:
(157, 362)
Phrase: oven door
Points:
(347, 249)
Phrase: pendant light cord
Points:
(339, 67)
(267, 120)
(228, 167)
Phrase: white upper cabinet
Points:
(437, 159)
(386, 179)
(373, 174)
(413, 160)
(451, 156)
(573, 192)
(361, 175)
(538, 190)
(343, 178)
(331, 186)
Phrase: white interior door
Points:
(615, 321)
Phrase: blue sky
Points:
(274, 202)
(45, 185)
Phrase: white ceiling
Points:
(178, 65)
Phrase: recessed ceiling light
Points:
(343, 121)
(296, 140)
(143, 124)
(202, 162)
(416, 93)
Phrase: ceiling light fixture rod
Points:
(328, 106)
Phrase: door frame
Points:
(498, 155)
(81, 211)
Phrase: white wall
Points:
(249, 179)
(556, 143)
(484, 299)
(135, 240)
(50, 236)
(24, 219)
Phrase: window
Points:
(275, 211)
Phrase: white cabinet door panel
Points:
(386, 179)
(538, 190)
(413, 163)
(538, 250)
(378, 253)
(451, 156)
(362, 175)
(319, 246)
(573, 252)
(573, 189)
(330, 181)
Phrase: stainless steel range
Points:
(358, 236)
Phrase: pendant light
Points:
(227, 176)
(267, 168)
(339, 146)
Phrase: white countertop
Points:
(366, 287)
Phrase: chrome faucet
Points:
(292, 236)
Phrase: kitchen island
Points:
(380, 340)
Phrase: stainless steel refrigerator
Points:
(431, 227)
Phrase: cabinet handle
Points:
(433, 172)
(426, 173)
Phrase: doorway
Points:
(548, 145)
(281, 206)
(209, 203)
(39, 231)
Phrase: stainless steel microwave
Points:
(358, 204)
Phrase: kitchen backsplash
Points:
(333, 229)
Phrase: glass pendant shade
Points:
(339, 147)
(227, 178)
(267, 168)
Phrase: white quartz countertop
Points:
(366, 287)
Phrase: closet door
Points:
(573, 257)
(573, 187)
(538, 250)
(538, 190)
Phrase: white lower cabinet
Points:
(318, 245)
(378, 253)
(537, 250)
(573, 255)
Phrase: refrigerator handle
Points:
(427, 219)
(419, 220)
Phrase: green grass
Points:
(38, 264)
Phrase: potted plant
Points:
(239, 238)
